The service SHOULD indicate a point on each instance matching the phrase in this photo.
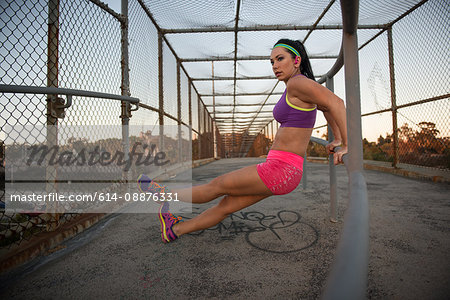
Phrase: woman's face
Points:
(282, 63)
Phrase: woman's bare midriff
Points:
(292, 139)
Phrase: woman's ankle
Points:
(176, 230)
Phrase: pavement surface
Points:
(281, 247)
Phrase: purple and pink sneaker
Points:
(167, 220)
(146, 185)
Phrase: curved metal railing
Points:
(23, 89)
(348, 276)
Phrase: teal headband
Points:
(287, 47)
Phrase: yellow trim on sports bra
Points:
(296, 107)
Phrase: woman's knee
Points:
(226, 206)
(217, 186)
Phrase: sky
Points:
(114, 4)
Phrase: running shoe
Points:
(146, 185)
(167, 221)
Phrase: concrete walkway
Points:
(279, 248)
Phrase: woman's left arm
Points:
(333, 107)
(336, 114)
(337, 139)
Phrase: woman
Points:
(282, 171)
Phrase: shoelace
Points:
(174, 218)
(155, 188)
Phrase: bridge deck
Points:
(282, 246)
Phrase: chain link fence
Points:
(79, 45)
(404, 93)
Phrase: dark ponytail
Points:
(305, 65)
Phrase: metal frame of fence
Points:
(198, 119)
(202, 148)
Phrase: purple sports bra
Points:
(289, 115)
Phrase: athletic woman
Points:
(282, 171)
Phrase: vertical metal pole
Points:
(272, 137)
(213, 149)
(214, 111)
(199, 128)
(52, 48)
(269, 132)
(352, 89)
(205, 128)
(208, 132)
(348, 277)
(52, 121)
(190, 114)
(125, 88)
(211, 125)
(180, 150)
(305, 172)
(232, 140)
(273, 130)
(161, 91)
(393, 98)
(332, 167)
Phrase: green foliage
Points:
(421, 146)
(377, 151)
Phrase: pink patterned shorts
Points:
(281, 172)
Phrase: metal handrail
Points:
(22, 89)
(348, 276)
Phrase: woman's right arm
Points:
(333, 107)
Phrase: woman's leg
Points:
(242, 182)
(214, 215)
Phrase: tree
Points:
(427, 138)
(405, 133)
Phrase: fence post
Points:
(214, 111)
(273, 131)
(199, 129)
(205, 128)
(125, 87)
(269, 128)
(305, 173)
(161, 90)
(190, 115)
(211, 134)
(393, 98)
(180, 150)
(332, 167)
(52, 120)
